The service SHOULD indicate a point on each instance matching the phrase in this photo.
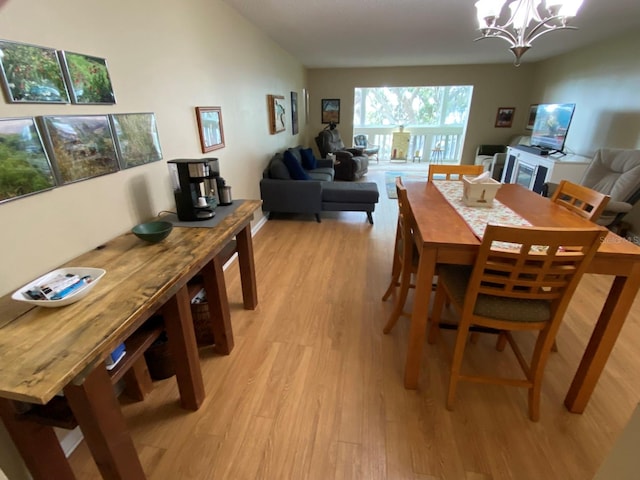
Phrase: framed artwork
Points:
(80, 147)
(294, 112)
(210, 128)
(330, 110)
(31, 74)
(24, 166)
(136, 138)
(277, 113)
(305, 95)
(88, 78)
(504, 118)
(533, 109)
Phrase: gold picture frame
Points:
(277, 113)
(210, 128)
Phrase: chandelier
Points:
(527, 21)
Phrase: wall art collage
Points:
(43, 152)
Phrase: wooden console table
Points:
(44, 351)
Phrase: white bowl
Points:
(95, 273)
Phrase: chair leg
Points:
(396, 268)
(436, 314)
(501, 342)
(456, 363)
(539, 359)
(405, 281)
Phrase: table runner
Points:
(478, 217)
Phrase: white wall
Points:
(494, 86)
(602, 80)
(164, 57)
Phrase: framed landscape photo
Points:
(533, 110)
(31, 74)
(294, 112)
(24, 166)
(210, 128)
(277, 113)
(330, 110)
(80, 147)
(88, 78)
(136, 138)
(504, 118)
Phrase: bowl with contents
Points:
(153, 232)
(60, 287)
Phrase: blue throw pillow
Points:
(295, 169)
(309, 161)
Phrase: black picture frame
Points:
(31, 74)
(504, 117)
(330, 109)
(294, 113)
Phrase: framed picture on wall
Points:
(31, 74)
(504, 118)
(210, 128)
(88, 78)
(305, 97)
(24, 166)
(294, 112)
(531, 120)
(80, 146)
(330, 110)
(136, 138)
(277, 113)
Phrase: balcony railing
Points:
(443, 144)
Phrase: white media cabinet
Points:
(533, 171)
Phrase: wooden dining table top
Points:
(44, 349)
(438, 223)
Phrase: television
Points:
(551, 126)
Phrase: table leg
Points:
(419, 317)
(37, 444)
(184, 350)
(216, 290)
(244, 245)
(614, 313)
(95, 407)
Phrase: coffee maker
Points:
(195, 187)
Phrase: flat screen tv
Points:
(551, 125)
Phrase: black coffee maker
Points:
(195, 187)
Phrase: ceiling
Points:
(388, 33)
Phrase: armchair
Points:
(361, 141)
(493, 157)
(614, 172)
(351, 163)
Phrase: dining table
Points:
(47, 353)
(442, 235)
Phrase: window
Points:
(435, 116)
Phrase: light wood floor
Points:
(313, 389)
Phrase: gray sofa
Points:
(281, 193)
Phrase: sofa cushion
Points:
(309, 161)
(278, 170)
(320, 174)
(294, 166)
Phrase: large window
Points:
(436, 117)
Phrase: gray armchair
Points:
(614, 172)
(351, 163)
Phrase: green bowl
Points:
(153, 232)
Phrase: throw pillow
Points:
(295, 169)
(309, 161)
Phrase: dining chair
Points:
(523, 282)
(454, 172)
(581, 200)
(405, 257)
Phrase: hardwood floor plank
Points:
(314, 390)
